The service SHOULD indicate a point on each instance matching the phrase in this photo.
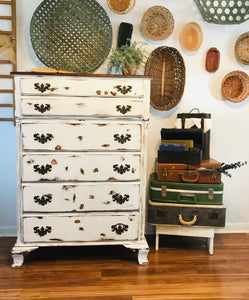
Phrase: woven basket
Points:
(121, 7)
(224, 11)
(212, 60)
(235, 86)
(71, 35)
(242, 48)
(157, 23)
(167, 69)
(191, 36)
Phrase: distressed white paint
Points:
(81, 136)
(81, 177)
(79, 106)
(89, 196)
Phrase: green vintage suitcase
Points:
(185, 193)
(186, 214)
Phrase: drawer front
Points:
(88, 227)
(82, 87)
(53, 197)
(81, 167)
(81, 136)
(75, 106)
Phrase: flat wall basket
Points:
(242, 48)
(71, 35)
(167, 69)
(224, 11)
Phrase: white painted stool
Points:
(186, 231)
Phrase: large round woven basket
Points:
(167, 69)
(157, 23)
(71, 35)
(121, 7)
(224, 11)
(235, 86)
(242, 48)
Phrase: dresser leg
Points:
(142, 257)
(18, 254)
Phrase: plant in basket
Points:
(127, 58)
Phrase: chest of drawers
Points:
(82, 143)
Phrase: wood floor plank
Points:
(181, 269)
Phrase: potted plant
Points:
(127, 58)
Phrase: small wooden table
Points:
(186, 231)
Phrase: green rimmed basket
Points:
(224, 11)
(71, 35)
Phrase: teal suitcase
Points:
(185, 193)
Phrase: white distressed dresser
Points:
(82, 143)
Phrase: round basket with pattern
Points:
(167, 69)
(121, 7)
(71, 35)
(224, 11)
(235, 86)
(157, 23)
(242, 48)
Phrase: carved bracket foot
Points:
(18, 254)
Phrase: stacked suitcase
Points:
(186, 188)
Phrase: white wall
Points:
(229, 135)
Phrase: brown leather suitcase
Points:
(206, 172)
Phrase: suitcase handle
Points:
(186, 195)
(187, 223)
(189, 177)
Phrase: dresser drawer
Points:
(87, 166)
(88, 227)
(83, 87)
(77, 136)
(82, 197)
(82, 106)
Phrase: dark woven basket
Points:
(167, 69)
(71, 35)
(224, 11)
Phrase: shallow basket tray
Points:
(167, 69)
(121, 7)
(242, 48)
(224, 11)
(191, 36)
(71, 35)
(235, 86)
(157, 23)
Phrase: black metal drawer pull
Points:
(120, 228)
(123, 109)
(42, 108)
(42, 231)
(124, 89)
(43, 169)
(43, 200)
(121, 138)
(42, 138)
(42, 87)
(120, 199)
(121, 169)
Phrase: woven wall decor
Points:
(212, 61)
(242, 48)
(157, 23)
(167, 69)
(235, 86)
(121, 7)
(224, 11)
(71, 35)
(191, 36)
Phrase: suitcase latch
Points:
(210, 194)
(164, 190)
(165, 172)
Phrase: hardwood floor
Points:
(181, 269)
